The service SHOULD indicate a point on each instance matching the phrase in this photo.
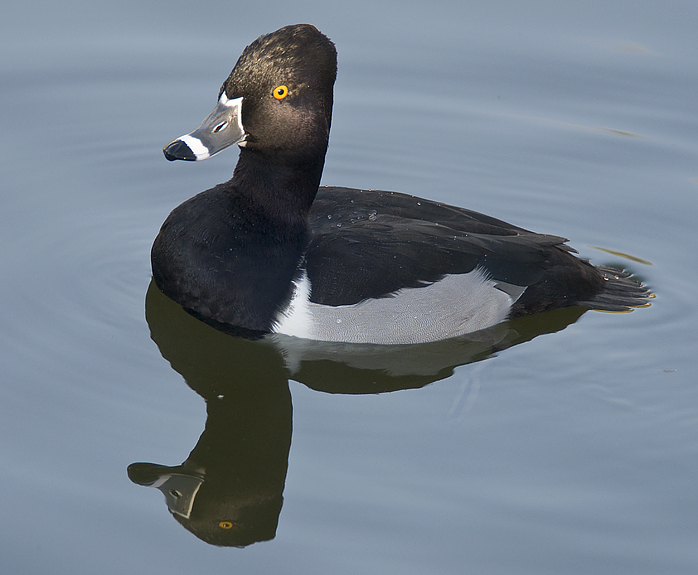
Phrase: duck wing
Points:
(370, 244)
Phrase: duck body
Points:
(272, 252)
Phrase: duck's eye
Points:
(225, 525)
(280, 92)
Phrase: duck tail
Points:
(621, 292)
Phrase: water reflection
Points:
(229, 491)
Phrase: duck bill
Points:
(222, 128)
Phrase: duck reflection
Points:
(229, 491)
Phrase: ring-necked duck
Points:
(269, 252)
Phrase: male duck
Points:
(269, 252)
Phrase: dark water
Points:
(554, 445)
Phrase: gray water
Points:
(562, 444)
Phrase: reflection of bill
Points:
(229, 491)
(179, 489)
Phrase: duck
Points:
(271, 251)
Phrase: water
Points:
(571, 449)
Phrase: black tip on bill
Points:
(178, 150)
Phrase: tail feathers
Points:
(621, 293)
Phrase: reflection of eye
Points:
(225, 525)
(280, 92)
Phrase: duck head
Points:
(277, 101)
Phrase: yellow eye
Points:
(225, 525)
(280, 92)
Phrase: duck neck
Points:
(283, 192)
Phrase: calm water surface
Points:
(561, 444)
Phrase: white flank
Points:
(456, 305)
(296, 319)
